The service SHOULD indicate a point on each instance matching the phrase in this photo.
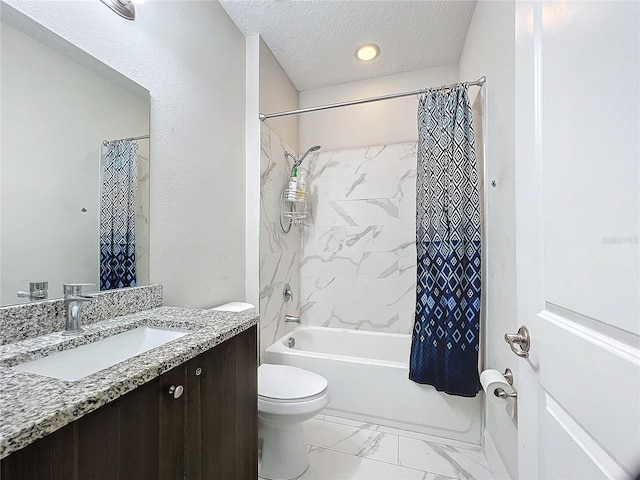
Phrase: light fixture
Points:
(124, 8)
(368, 52)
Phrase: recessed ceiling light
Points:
(367, 52)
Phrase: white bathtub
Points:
(368, 379)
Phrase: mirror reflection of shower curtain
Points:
(117, 215)
(445, 340)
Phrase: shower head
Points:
(315, 148)
(124, 8)
(298, 161)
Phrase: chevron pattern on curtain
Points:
(117, 215)
(445, 337)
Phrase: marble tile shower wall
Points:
(279, 251)
(358, 263)
(142, 219)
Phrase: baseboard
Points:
(496, 464)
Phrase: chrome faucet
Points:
(291, 318)
(37, 291)
(73, 300)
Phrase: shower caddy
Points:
(295, 205)
(295, 208)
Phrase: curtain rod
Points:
(265, 116)
(107, 142)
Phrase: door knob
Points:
(521, 339)
(176, 391)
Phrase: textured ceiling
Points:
(315, 41)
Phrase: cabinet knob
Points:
(176, 391)
(198, 371)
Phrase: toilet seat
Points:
(294, 400)
(286, 384)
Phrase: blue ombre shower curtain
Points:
(444, 348)
(117, 215)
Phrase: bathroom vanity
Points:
(209, 431)
(187, 409)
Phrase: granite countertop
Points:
(32, 406)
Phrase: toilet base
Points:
(283, 451)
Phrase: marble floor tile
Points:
(351, 440)
(341, 448)
(442, 459)
(432, 438)
(327, 464)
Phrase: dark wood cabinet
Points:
(222, 436)
(209, 432)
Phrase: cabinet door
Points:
(171, 419)
(211, 414)
(137, 437)
(222, 411)
(97, 442)
(247, 405)
(140, 436)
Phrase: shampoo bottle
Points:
(302, 185)
(292, 189)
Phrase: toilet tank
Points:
(237, 307)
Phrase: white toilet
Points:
(287, 396)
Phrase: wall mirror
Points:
(58, 107)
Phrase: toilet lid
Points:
(283, 382)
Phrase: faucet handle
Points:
(75, 288)
(39, 285)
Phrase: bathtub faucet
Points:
(291, 318)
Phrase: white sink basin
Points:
(81, 361)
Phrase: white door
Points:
(577, 209)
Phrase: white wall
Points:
(379, 123)
(252, 169)
(190, 56)
(490, 50)
(277, 94)
(55, 115)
